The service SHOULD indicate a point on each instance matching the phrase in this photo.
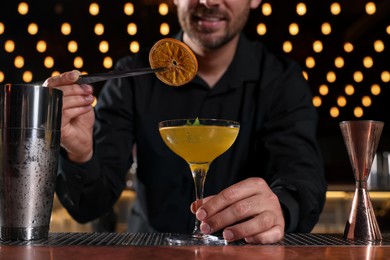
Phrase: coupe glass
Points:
(198, 142)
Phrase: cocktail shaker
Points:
(30, 124)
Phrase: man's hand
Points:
(77, 116)
(246, 210)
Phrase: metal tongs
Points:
(93, 78)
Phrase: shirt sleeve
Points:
(82, 190)
(294, 167)
(290, 207)
(91, 189)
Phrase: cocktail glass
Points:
(361, 138)
(198, 142)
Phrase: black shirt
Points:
(266, 93)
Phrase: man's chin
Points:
(209, 40)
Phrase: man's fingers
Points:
(77, 101)
(62, 79)
(237, 212)
(270, 236)
(254, 227)
(234, 193)
(196, 204)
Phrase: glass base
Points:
(24, 233)
(189, 240)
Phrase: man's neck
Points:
(213, 63)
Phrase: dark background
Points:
(351, 25)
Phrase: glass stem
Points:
(199, 173)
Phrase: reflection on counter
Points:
(332, 220)
(338, 206)
(379, 178)
(339, 199)
(114, 221)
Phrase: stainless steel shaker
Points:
(30, 123)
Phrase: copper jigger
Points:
(361, 138)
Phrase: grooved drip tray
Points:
(158, 239)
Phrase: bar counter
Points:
(75, 246)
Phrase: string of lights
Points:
(342, 46)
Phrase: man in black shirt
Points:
(269, 182)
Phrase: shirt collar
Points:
(245, 65)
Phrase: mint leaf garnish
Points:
(195, 123)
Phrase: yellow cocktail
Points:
(198, 142)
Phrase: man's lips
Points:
(210, 22)
(210, 16)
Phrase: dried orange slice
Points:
(178, 59)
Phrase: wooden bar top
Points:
(193, 252)
(114, 246)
